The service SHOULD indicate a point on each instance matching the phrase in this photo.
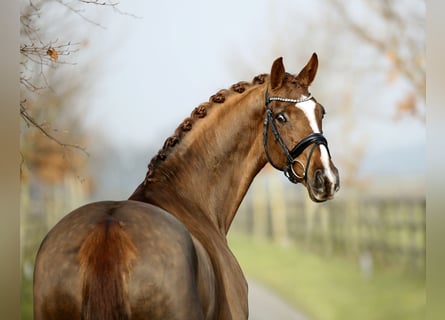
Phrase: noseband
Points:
(291, 155)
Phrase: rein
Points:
(291, 155)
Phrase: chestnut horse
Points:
(163, 253)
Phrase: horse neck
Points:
(207, 175)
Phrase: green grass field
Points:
(330, 288)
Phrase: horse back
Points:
(117, 260)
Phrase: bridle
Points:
(291, 155)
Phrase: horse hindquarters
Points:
(82, 266)
(117, 260)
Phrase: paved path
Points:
(265, 305)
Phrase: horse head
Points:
(293, 135)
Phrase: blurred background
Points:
(104, 83)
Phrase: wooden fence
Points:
(376, 231)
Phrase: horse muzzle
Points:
(323, 184)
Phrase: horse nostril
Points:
(337, 187)
(319, 179)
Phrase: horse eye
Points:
(281, 118)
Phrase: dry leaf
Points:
(407, 106)
(53, 54)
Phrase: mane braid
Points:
(198, 113)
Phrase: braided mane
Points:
(198, 113)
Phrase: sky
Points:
(160, 60)
(172, 58)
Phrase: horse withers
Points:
(163, 253)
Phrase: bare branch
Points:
(49, 53)
(111, 4)
(30, 121)
(80, 13)
(100, 3)
(42, 57)
(26, 82)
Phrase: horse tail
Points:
(105, 259)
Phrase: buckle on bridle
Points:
(291, 170)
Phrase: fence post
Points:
(278, 210)
(325, 230)
(353, 220)
(259, 206)
(310, 209)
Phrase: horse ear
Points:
(307, 74)
(277, 73)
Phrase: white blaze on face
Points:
(308, 107)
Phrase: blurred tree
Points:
(52, 84)
(54, 92)
(394, 33)
(394, 29)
